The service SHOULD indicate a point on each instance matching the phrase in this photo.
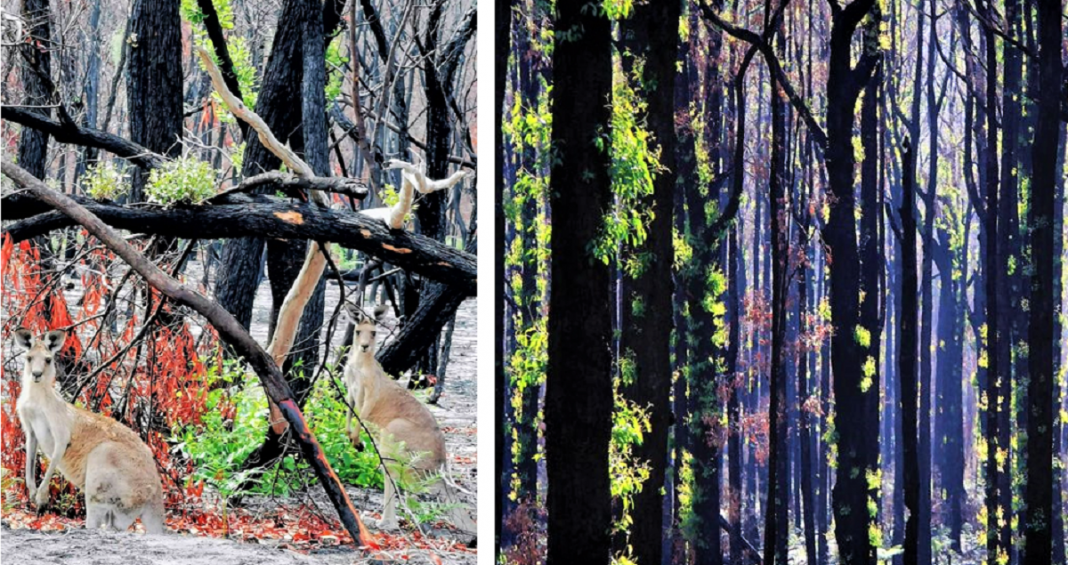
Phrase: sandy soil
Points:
(455, 413)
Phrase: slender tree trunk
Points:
(502, 16)
(857, 453)
(907, 357)
(734, 440)
(154, 88)
(776, 522)
(646, 333)
(1041, 388)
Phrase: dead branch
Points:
(88, 137)
(260, 216)
(230, 330)
(290, 184)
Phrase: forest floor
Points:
(27, 539)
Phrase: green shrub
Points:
(218, 446)
(104, 181)
(185, 179)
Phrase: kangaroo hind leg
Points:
(152, 518)
(97, 515)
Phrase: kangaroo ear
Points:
(380, 311)
(353, 312)
(23, 338)
(55, 339)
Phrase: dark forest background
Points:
(781, 281)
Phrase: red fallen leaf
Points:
(435, 558)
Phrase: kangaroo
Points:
(410, 444)
(105, 459)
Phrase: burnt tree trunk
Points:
(1041, 389)
(579, 376)
(775, 522)
(646, 333)
(33, 144)
(857, 453)
(154, 85)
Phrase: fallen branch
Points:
(751, 549)
(290, 184)
(263, 216)
(230, 330)
(437, 305)
(88, 137)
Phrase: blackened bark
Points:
(579, 386)
(242, 259)
(431, 210)
(1041, 388)
(92, 88)
(907, 350)
(998, 541)
(686, 162)
(154, 85)
(502, 16)
(528, 304)
(37, 61)
(775, 522)
(871, 256)
(646, 334)
(265, 216)
(83, 135)
(734, 440)
(857, 453)
(1011, 322)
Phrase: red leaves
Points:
(366, 540)
(6, 249)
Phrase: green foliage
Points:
(334, 62)
(191, 12)
(633, 165)
(187, 180)
(234, 424)
(236, 46)
(237, 156)
(863, 336)
(630, 423)
(618, 9)
(219, 445)
(682, 248)
(104, 181)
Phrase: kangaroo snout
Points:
(37, 376)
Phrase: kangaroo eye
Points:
(48, 361)
(373, 334)
(357, 332)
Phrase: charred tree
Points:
(646, 334)
(579, 376)
(36, 77)
(154, 85)
(1041, 389)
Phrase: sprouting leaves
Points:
(104, 181)
(187, 180)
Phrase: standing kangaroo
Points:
(410, 443)
(102, 457)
